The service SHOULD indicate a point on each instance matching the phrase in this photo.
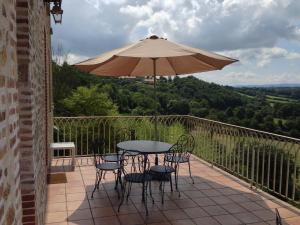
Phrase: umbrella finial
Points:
(153, 37)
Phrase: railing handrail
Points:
(245, 128)
(188, 116)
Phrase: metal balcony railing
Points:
(265, 160)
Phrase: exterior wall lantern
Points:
(56, 10)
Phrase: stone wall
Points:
(25, 110)
(10, 195)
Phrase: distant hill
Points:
(268, 85)
(273, 109)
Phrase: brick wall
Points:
(10, 195)
(25, 112)
(33, 46)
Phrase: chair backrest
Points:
(185, 144)
(182, 149)
(98, 148)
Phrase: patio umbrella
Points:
(154, 56)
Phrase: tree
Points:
(88, 101)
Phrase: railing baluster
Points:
(265, 160)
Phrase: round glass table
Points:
(144, 147)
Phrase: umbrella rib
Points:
(172, 66)
(103, 63)
(135, 66)
(208, 64)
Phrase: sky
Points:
(264, 35)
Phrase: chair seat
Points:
(179, 159)
(112, 158)
(137, 177)
(108, 166)
(162, 169)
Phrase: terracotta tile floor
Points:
(216, 198)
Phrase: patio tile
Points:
(268, 204)
(206, 221)
(154, 217)
(168, 205)
(247, 217)
(80, 214)
(195, 194)
(195, 212)
(215, 210)
(175, 214)
(76, 197)
(211, 192)
(73, 205)
(183, 222)
(265, 214)
(251, 206)
(233, 208)
(56, 198)
(185, 203)
(227, 220)
(78, 189)
(103, 212)
(57, 207)
(131, 219)
(202, 186)
(126, 209)
(107, 221)
(97, 203)
(56, 217)
(162, 223)
(214, 199)
(238, 198)
(221, 200)
(204, 201)
(98, 194)
(286, 213)
(81, 222)
(59, 223)
(292, 221)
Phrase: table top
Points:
(62, 145)
(145, 146)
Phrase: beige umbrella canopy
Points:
(151, 57)
(154, 56)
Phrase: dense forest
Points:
(275, 110)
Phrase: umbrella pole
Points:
(155, 112)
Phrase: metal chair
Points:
(164, 172)
(143, 177)
(185, 147)
(103, 166)
(122, 134)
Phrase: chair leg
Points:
(176, 177)
(129, 191)
(171, 183)
(150, 190)
(96, 184)
(123, 195)
(163, 193)
(100, 178)
(190, 172)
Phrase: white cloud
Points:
(137, 11)
(261, 56)
(69, 58)
(250, 78)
